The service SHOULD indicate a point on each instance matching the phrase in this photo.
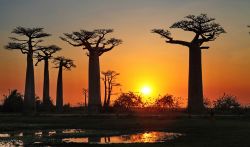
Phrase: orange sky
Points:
(143, 58)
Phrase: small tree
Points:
(45, 55)
(205, 30)
(96, 44)
(109, 80)
(167, 101)
(226, 103)
(13, 102)
(127, 101)
(61, 63)
(28, 44)
(85, 94)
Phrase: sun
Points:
(146, 90)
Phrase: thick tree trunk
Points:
(29, 94)
(94, 104)
(46, 97)
(59, 92)
(195, 89)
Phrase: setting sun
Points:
(146, 90)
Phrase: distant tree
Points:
(249, 27)
(96, 44)
(226, 102)
(167, 101)
(45, 55)
(61, 63)
(109, 80)
(85, 94)
(126, 101)
(28, 44)
(205, 30)
(13, 102)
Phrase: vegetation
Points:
(96, 44)
(127, 101)
(227, 103)
(28, 46)
(13, 102)
(205, 30)
(46, 55)
(109, 80)
(66, 64)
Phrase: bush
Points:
(127, 101)
(13, 102)
(227, 103)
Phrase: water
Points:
(64, 136)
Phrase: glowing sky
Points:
(143, 58)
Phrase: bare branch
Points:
(64, 62)
(93, 41)
(166, 34)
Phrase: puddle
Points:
(65, 136)
(146, 137)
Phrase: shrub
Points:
(227, 103)
(13, 102)
(167, 101)
(127, 101)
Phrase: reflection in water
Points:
(147, 137)
(30, 137)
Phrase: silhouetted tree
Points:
(13, 102)
(226, 102)
(85, 93)
(205, 30)
(45, 55)
(109, 80)
(126, 101)
(96, 44)
(28, 44)
(249, 27)
(61, 63)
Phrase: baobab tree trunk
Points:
(59, 92)
(94, 104)
(195, 88)
(46, 97)
(29, 94)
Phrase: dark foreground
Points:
(199, 130)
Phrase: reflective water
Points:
(32, 137)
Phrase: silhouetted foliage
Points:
(207, 103)
(109, 79)
(28, 44)
(85, 94)
(227, 103)
(45, 55)
(13, 102)
(167, 101)
(96, 44)
(127, 101)
(66, 64)
(205, 30)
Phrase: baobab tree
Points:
(96, 44)
(205, 30)
(109, 80)
(85, 93)
(45, 55)
(66, 64)
(28, 43)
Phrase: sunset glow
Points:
(142, 55)
(146, 90)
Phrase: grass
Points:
(200, 131)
